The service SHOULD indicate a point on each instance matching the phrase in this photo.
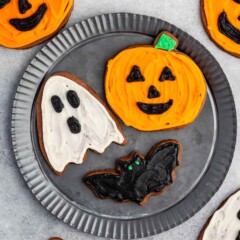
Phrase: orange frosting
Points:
(212, 10)
(188, 90)
(57, 12)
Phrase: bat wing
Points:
(164, 158)
(149, 181)
(105, 185)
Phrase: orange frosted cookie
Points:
(155, 87)
(222, 23)
(25, 23)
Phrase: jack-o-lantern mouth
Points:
(226, 28)
(29, 23)
(154, 109)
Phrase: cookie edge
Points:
(201, 234)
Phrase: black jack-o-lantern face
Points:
(221, 19)
(29, 23)
(152, 108)
(25, 22)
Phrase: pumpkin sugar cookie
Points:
(26, 23)
(221, 21)
(155, 87)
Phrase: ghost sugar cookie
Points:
(25, 23)
(155, 87)
(136, 177)
(225, 222)
(72, 118)
(221, 20)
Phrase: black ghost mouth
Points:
(29, 23)
(226, 28)
(152, 109)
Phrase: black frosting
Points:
(237, 1)
(27, 24)
(138, 177)
(135, 75)
(57, 103)
(167, 75)
(238, 236)
(153, 109)
(24, 5)
(74, 125)
(238, 215)
(153, 92)
(3, 3)
(226, 28)
(73, 99)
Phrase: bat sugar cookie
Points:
(137, 178)
(72, 118)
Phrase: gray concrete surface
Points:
(21, 216)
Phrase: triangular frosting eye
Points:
(24, 5)
(167, 75)
(3, 3)
(135, 75)
(237, 1)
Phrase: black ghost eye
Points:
(74, 125)
(167, 75)
(3, 3)
(57, 103)
(238, 215)
(238, 236)
(73, 99)
(135, 75)
(23, 6)
(237, 1)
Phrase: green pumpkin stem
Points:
(166, 41)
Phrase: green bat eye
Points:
(137, 162)
(130, 168)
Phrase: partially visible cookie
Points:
(221, 21)
(26, 23)
(72, 118)
(225, 222)
(136, 177)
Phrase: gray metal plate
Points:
(208, 143)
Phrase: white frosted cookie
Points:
(225, 222)
(72, 118)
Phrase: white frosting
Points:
(225, 224)
(98, 129)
